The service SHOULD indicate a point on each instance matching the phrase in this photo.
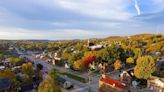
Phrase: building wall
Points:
(125, 78)
(109, 88)
(155, 88)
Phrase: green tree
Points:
(137, 53)
(111, 54)
(145, 67)
(49, 85)
(79, 47)
(14, 60)
(1, 57)
(74, 57)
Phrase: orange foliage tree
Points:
(117, 64)
(88, 59)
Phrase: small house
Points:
(107, 84)
(64, 83)
(127, 76)
(2, 67)
(156, 84)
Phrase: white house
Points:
(2, 67)
(156, 84)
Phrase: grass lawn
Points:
(74, 77)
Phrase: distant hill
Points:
(38, 40)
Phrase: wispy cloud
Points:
(71, 19)
(107, 9)
(137, 7)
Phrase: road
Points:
(93, 84)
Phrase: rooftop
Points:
(113, 82)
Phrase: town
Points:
(114, 64)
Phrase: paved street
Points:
(93, 84)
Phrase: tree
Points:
(145, 67)
(79, 47)
(78, 65)
(39, 67)
(88, 59)
(28, 70)
(112, 54)
(8, 73)
(1, 57)
(38, 72)
(49, 85)
(130, 60)
(59, 53)
(137, 53)
(66, 55)
(14, 60)
(117, 64)
(74, 57)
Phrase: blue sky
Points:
(79, 19)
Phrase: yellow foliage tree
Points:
(78, 65)
(117, 64)
(9, 74)
(27, 69)
(14, 60)
(49, 85)
(130, 60)
(137, 53)
(145, 67)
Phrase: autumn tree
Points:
(130, 60)
(88, 59)
(49, 85)
(28, 70)
(8, 73)
(14, 60)
(137, 53)
(117, 64)
(66, 55)
(74, 57)
(145, 67)
(79, 47)
(59, 53)
(78, 65)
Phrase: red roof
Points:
(110, 81)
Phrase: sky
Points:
(79, 19)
